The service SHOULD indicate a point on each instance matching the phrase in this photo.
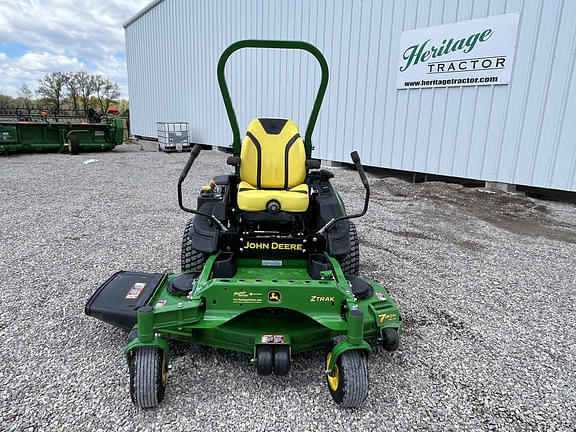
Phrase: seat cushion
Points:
(273, 155)
(291, 200)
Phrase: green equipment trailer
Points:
(41, 134)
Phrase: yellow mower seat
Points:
(273, 167)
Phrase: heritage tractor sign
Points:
(476, 52)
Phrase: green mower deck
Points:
(240, 312)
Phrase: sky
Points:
(42, 36)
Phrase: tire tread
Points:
(350, 264)
(355, 379)
(190, 259)
(353, 367)
(146, 377)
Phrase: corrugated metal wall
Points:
(522, 133)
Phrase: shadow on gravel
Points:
(514, 213)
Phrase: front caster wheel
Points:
(147, 376)
(348, 381)
(264, 359)
(281, 360)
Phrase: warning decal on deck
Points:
(381, 296)
(272, 339)
(135, 291)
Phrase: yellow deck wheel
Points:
(334, 376)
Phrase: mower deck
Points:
(239, 312)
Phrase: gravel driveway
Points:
(486, 283)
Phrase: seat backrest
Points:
(272, 154)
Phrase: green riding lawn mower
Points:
(270, 266)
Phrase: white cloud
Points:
(33, 61)
(63, 35)
(27, 68)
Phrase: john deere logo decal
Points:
(273, 246)
(274, 296)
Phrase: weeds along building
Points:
(480, 89)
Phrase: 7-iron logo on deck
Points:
(385, 317)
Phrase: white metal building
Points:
(523, 132)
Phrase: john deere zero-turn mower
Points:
(269, 266)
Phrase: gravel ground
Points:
(485, 282)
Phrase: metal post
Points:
(145, 324)
(356, 327)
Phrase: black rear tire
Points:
(73, 145)
(191, 259)
(147, 376)
(350, 264)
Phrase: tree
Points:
(73, 89)
(105, 91)
(5, 100)
(111, 94)
(98, 83)
(123, 106)
(85, 88)
(26, 95)
(51, 87)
